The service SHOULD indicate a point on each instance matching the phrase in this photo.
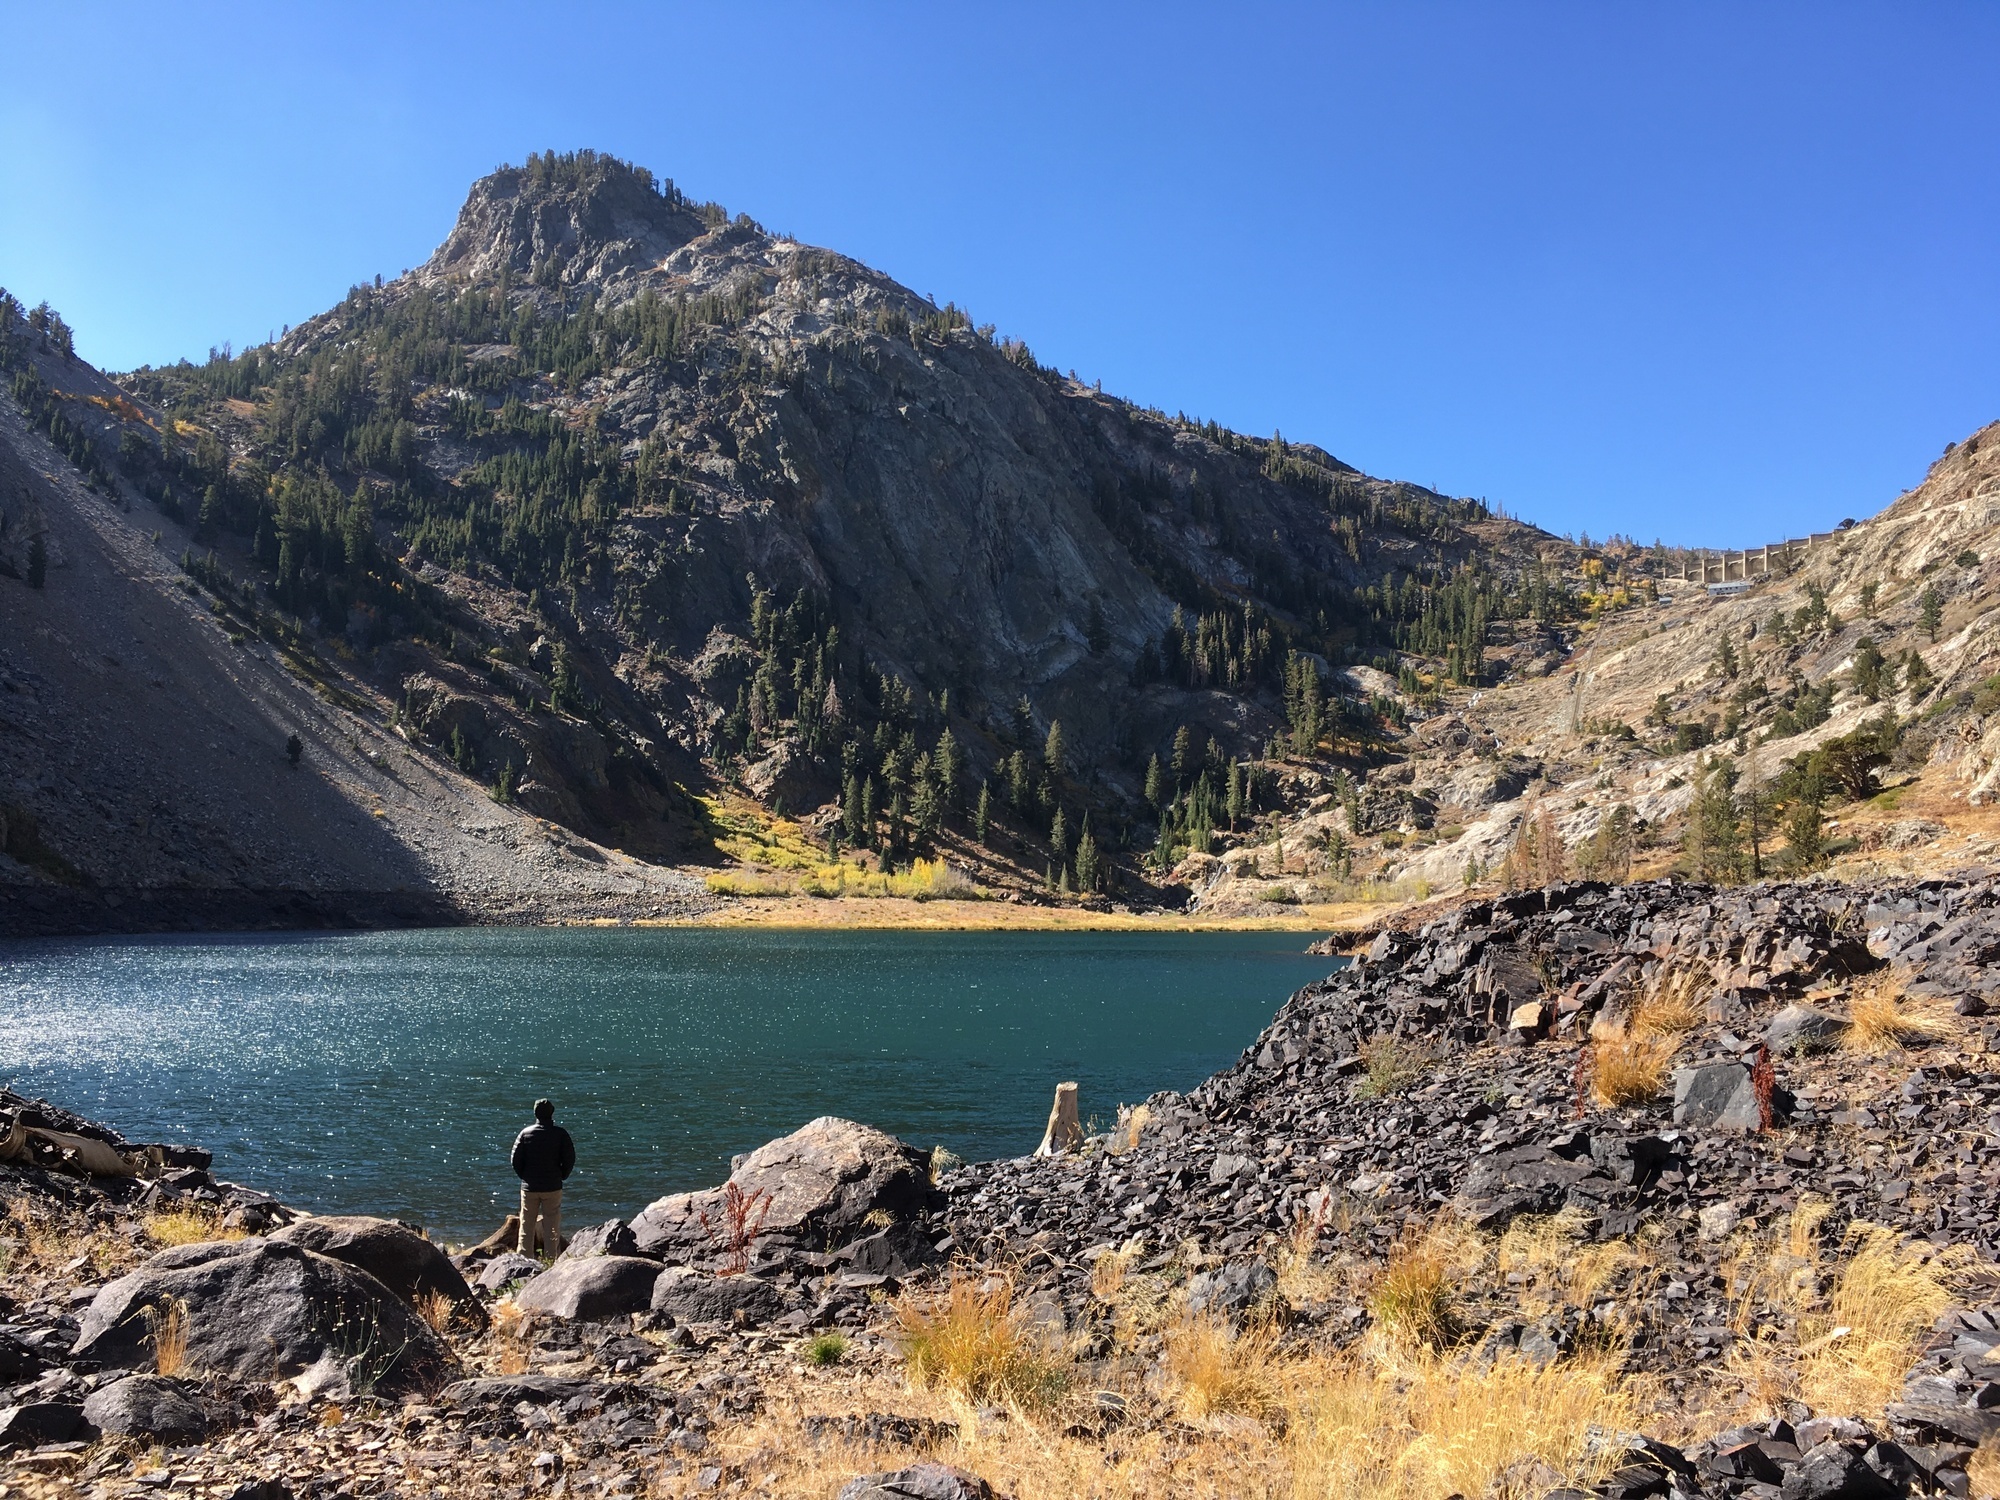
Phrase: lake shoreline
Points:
(35, 912)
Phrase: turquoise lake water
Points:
(387, 1072)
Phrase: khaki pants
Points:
(541, 1219)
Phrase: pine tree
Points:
(1805, 834)
(1233, 797)
(1183, 755)
(1726, 663)
(1916, 675)
(1868, 663)
(1714, 838)
(1052, 751)
(949, 762)
(1868, 592)
(1930, 611)
(1089, 874)
(1156, 786)
(982, 815)
(1059, 838)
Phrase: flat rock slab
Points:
(918, 1482)
(34, 1423)
(613, 1237)
(694, 1297)
(593, 1289)
(1800, 1028)
(509, 1390)
(1718, 1095)
(263, 1311)
(147, 1406)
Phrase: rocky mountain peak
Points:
(567, 219)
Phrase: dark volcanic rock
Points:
(1718, 1095)
(394, 1254)
(918, 1482)
(819, 1187)
(695, 1297)
(510, 1266)
(1233, 1291)
(147, 1406)
(613, 1237)
(37, 1422)
(592, 1289)
(262, 1311)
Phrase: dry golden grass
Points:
(1885, 1020)
(510, 1332)
(169, 1323)
(1413, 1298)
(187, 1225)
(1033, 1455)
(1855, 1333)
(1107, 1274)
(436, 1309)
(972, 1339)
(1984, 1471)
(1558, 1267)
(1629, 1068)
(1387, 1427)
(1886, 1296)
(1673, 1004)
(1214, 1370)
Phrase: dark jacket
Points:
(543, 1156)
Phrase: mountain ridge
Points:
(630, 514)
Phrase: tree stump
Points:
(1064, 1134)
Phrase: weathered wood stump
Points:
(1065, 1133)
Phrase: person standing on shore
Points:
(543, 1158)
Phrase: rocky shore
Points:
(1727, 1157)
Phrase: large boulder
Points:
(395, 1255)
(263, 1311)
(593, 1289)
(149, 1407)
(690, 1296)
(819, 1187)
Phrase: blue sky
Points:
(1707, 273)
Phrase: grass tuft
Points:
(1883, 1021)
(187, 1225)
(1424, 1427)
(1216, 1371)
(169, 1334)
(973, 1340)
(1392, 1066)
(1887, 1296)
(437, 1310)
(824, 1349)
(1413, 1295)
(1629, 1068)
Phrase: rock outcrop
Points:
(255, 1310)
(826, 1184)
